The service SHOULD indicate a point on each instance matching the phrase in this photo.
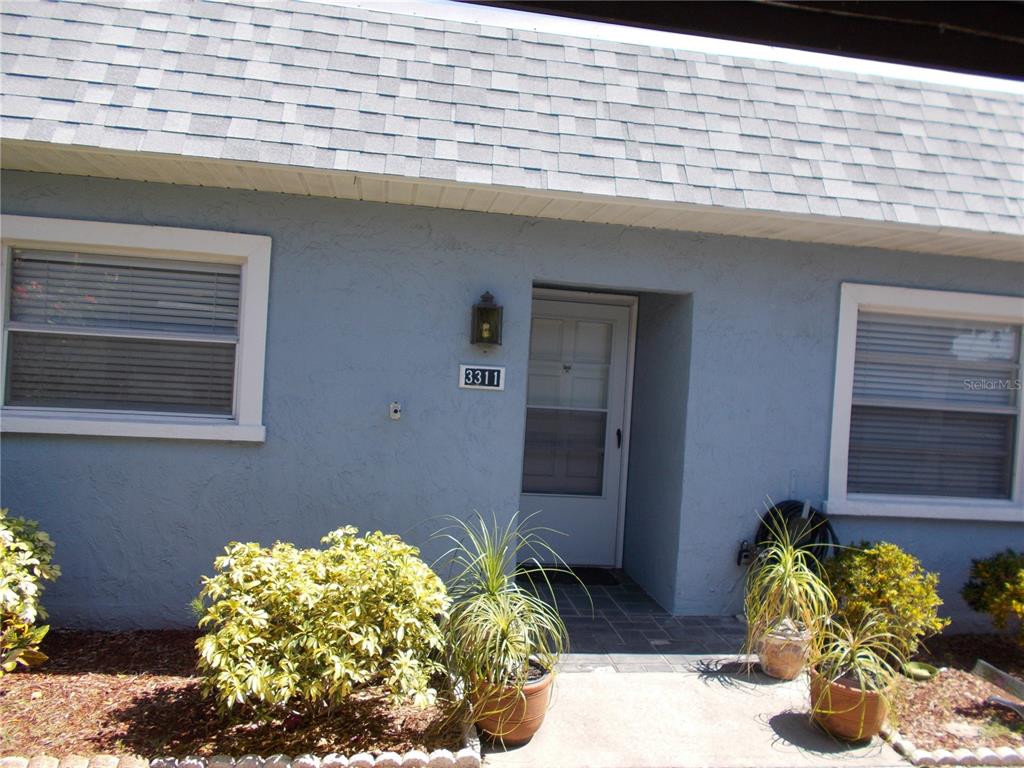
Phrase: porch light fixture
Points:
(486, 328)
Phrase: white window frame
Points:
(856, 298)
(250, 252)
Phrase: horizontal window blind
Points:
(933, 453)
(59, 289)
(935, 406)
(119, 333)
(57, 370)
(935, 362)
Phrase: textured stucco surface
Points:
(368, 304)
(658, 428)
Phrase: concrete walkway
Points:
(708, 713)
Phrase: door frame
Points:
(619, 300)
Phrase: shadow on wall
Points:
(657, 435)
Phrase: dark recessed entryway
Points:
(619, 625)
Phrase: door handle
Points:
(618, 437)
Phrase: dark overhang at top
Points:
(982, 38)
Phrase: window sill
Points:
(931, 508)
(21, 421)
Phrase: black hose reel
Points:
(809, 527)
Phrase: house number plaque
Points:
(482, 377)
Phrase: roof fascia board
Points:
(230, 174)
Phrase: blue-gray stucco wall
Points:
(369, 304)
(658, 429)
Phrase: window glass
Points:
(935, 405)
(114, 333)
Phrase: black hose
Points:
(812, 530)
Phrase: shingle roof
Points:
(323, 86)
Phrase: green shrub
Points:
(884, 578)
(25, 563)
(306, 627)
(996, 587)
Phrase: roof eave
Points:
(492, 198)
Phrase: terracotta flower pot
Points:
(845, 711)
(783, 654)
(514, 717)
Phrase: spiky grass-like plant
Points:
(851, 665)
(497, 625)
(784, 585)
(865, 656)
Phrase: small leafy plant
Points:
(996, 587)
(301, 629)
(26, 556)
(885, 581)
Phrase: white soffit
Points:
(570, 206)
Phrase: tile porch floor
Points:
(628, 631)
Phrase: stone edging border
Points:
(467, 757)
(962, 756)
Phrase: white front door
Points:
(575, 404)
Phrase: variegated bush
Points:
(291, 628)
(26, 555)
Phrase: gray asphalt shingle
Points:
(367, 90)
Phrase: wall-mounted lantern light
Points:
(486, 321)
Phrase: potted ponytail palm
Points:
(504, 640)
(852, 675)
(786, 601)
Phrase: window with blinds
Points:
(935, 407)
(115, 333)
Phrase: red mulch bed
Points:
(949, 711)
(136, 693)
